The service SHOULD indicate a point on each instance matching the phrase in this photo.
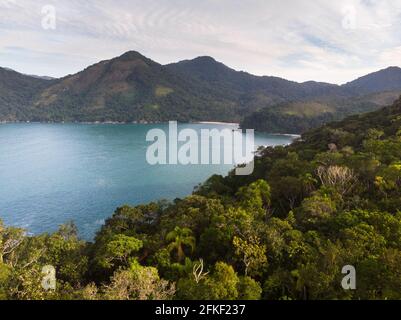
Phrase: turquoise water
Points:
(54, 173)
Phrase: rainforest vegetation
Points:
(331, 199)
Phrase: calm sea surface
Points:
(54, 173)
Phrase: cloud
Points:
(391, 56)
(300, 40)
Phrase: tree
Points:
(287, 192)
(389, 179)
(252, 254)
(138, 283)
(256, 198)
(178, 238)
(5, 272)
(26, 284)
(198, 271)
(340, 178)
(249, 289)
(221, 284)
(316, 210)
(10, 240)
(66, 253)
(119, 249)
(89, 292)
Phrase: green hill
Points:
(365, 94)
(133, 88)
(300, 116)
(128, 88)
(383, 80)
(17, 93)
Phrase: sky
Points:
(300, 40)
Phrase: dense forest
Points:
(17, 92)
(301, 116)
(330, 199)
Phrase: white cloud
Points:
(299, 40)
(391, 56)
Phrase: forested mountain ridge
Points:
(133, 88)
(17, 93)
(215, 73)
(327, 201)
(364, 94)
(127, 89)
(384, 80)
(303, 115)
(300, 116)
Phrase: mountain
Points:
(32, 75)
(131, 88)
(134, 88)
(248, 91)
(384, 80)
(365, 94)
(299, 116)
(17, 93)
(215, 73)
(378, 126)
(41, 77)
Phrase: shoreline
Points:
(147, 123)
(218, 122)
(293, 135)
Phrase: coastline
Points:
(293, 135)
(143, 122)
(218, 122)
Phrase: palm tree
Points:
(178, 238)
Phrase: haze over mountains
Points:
(133, 88)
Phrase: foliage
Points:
(133, 88)
(327, 201)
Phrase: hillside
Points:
(249, 92)
(133, 88)
(217, 75)
(17, 93)
(365, 94)
(285, 232)
(301, 116)
(128, 88)
(384, 80)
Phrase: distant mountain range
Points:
(33, 75)
(133, 88)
